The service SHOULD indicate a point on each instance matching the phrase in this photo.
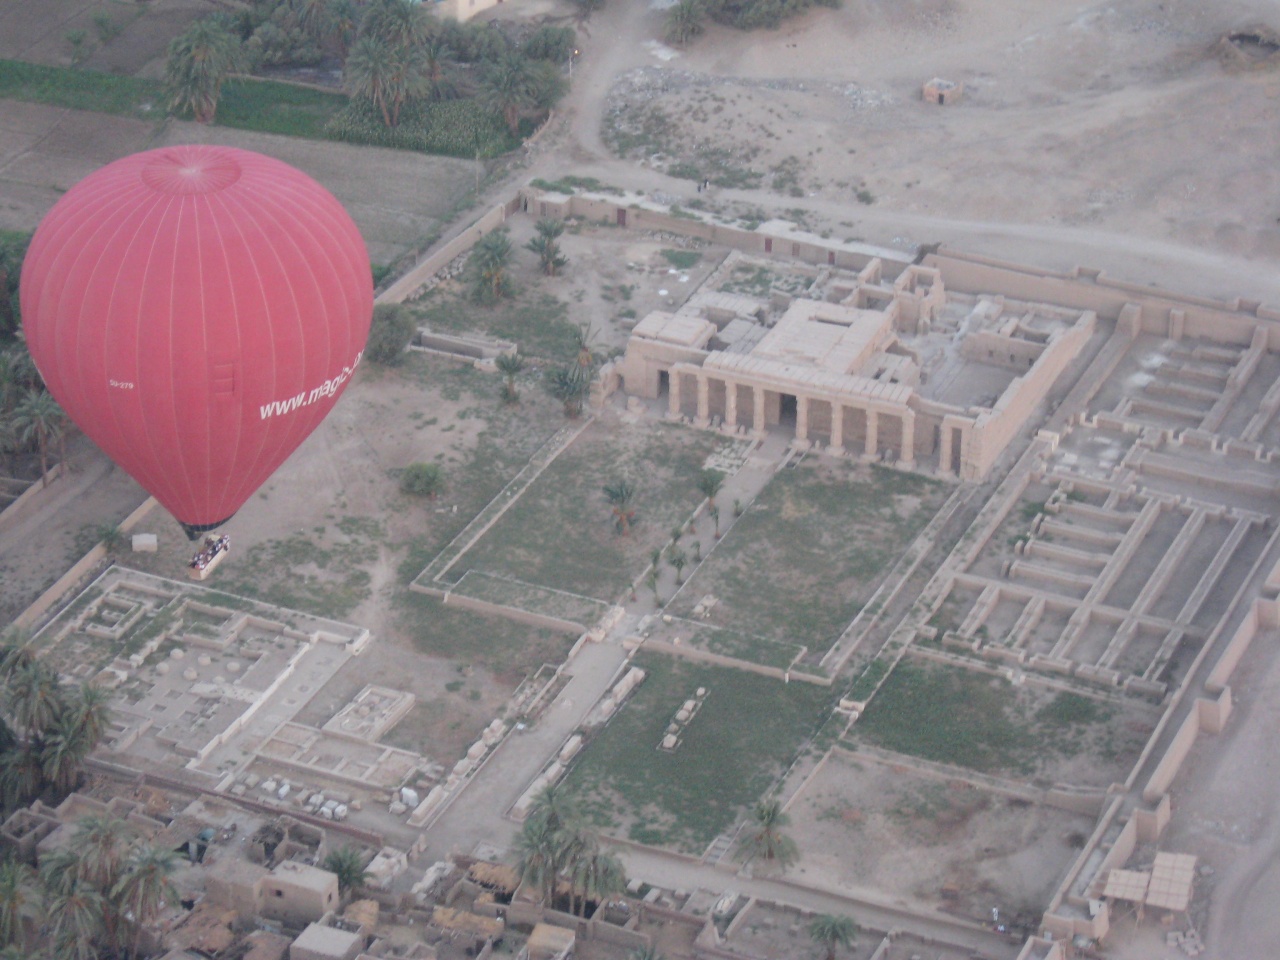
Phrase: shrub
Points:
(422, 480)
(550, 43)
(393, 327)
(454, 128)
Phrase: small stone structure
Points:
(942, 92)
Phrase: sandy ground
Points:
(942, 844)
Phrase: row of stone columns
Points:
(871, 441)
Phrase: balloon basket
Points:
(209, 557)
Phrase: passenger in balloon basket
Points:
(212, 547)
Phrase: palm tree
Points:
(145, 887)
(348, 865)
(714, 512)
(37, 416)
(438, 81)
(709, 484)
(34, 697)
(621, 494)
(599, 876)
(92, 706)
(509, 364)
(63, 748)
(764, 837)
(830, 931)
(343, 21)
(19, 901)
(490, 260)
(546, 245)
(76, 915)
(677, 558)
(200, 60)
(21, 775)
(651, 579)
(684, 21)
(385, 75)
(400, 24)
(538, 852)
(313, 18)
(507, 87)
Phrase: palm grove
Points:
(94, 896)
(406, 71)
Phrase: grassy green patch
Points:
(726, 761)
(569, 184)
(453, 128)
(80, 89)
(951, 715)
(561, 534)
(798, 566)
(282, 108)
(506, 648)
(682, 259)
(537, 323)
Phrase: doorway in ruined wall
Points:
(956, 437)
(889, 438)
(716, 397)
(820, 421)
(622, 217)
(854, 428)
(664, 384)
(746, 406)
(787, 405)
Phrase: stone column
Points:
(908, 455)
(837, 427)
(673, 394)
(731, 405)
(704, 400)
(802, 418)
(759, 427)
(873, 428)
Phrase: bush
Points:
(422, 480)
(393, 327)
(550, 43)
(453, 128)
(749, 14)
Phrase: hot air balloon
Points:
(197, 311)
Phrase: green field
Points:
(729, 757)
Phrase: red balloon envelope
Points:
(197, 311)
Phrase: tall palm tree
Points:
(200, 60)
(830, 931)
(509, 365)
(344, 22)
(102, 845)
(145, 887)
(92, 708)
(348, 865)
(489, 265)
(438, 83)
(678, 559)
(398, 23)
(621, 494)
(709, 484)
(764, 837)
(21, 774)
(547, 246)
(538, 851)
(507, 87)
(63, 748)
(19, 901)
(34, 698)
(599, 875)
(76, 921)
(382, 74)
(38, 417)
(313, 18)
